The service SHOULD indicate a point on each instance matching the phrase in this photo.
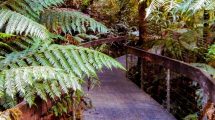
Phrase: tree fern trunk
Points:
(142, 35)
(206, 39)
(85, 9)
(142, 21)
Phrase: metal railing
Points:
(203, 79)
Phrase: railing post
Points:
(168, 89)
(73, 107)
(89, 84)
(126, 55)
(142, 74)
(132, 60)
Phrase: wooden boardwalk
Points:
(119, 99)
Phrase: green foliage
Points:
(5, 47)
(117, 11)
(183, 7)
(156, 4)
(5, 35)
(191, 117)
(211, 53)
(32, 64)
(175, 43)
(30, 8)
(23, 18)
(70, 20)
(74, 59)
(41, 81)
(64, 105)
(16, 23)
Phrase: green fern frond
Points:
(64, 105)
(5, 47)
(7, 102)
(4, 35)
(77, 60)
(156, 4)
(70, 21)
(199, 4)
(184, 6)
(211, 53)
(31, 81)
(1, 57)
(23, 44)
(16, 23)
(30, 8)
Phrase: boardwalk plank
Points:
(119, 99)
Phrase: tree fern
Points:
(31, 64)
(70, 20)
(156, 4)
(42, 81)
(18, 24)
(184, 6)
(197, 4)
(31, 8)
(74, 59)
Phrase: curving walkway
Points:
(120, 99)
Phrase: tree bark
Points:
(142, 21)
(206, 38)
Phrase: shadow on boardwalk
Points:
(120, 99)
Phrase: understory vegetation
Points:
(41, 58)
(182, 30)
(37, 56)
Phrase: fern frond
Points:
(31, 8)
(156, 4)
(31, 81)
(5, 36)
(5, 47)
(198, 4)
(77, 60)
(7, 102)
(19, 24)
(70, 21)
(184, 6)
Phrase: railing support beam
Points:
(168, 89)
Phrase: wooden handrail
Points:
(204, 79)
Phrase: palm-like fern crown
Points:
(31, 64)
(184, 6)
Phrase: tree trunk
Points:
(206, 38)
(142, 35)
(142, 21)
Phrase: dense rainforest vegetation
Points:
(36, 58)
(41, 58)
